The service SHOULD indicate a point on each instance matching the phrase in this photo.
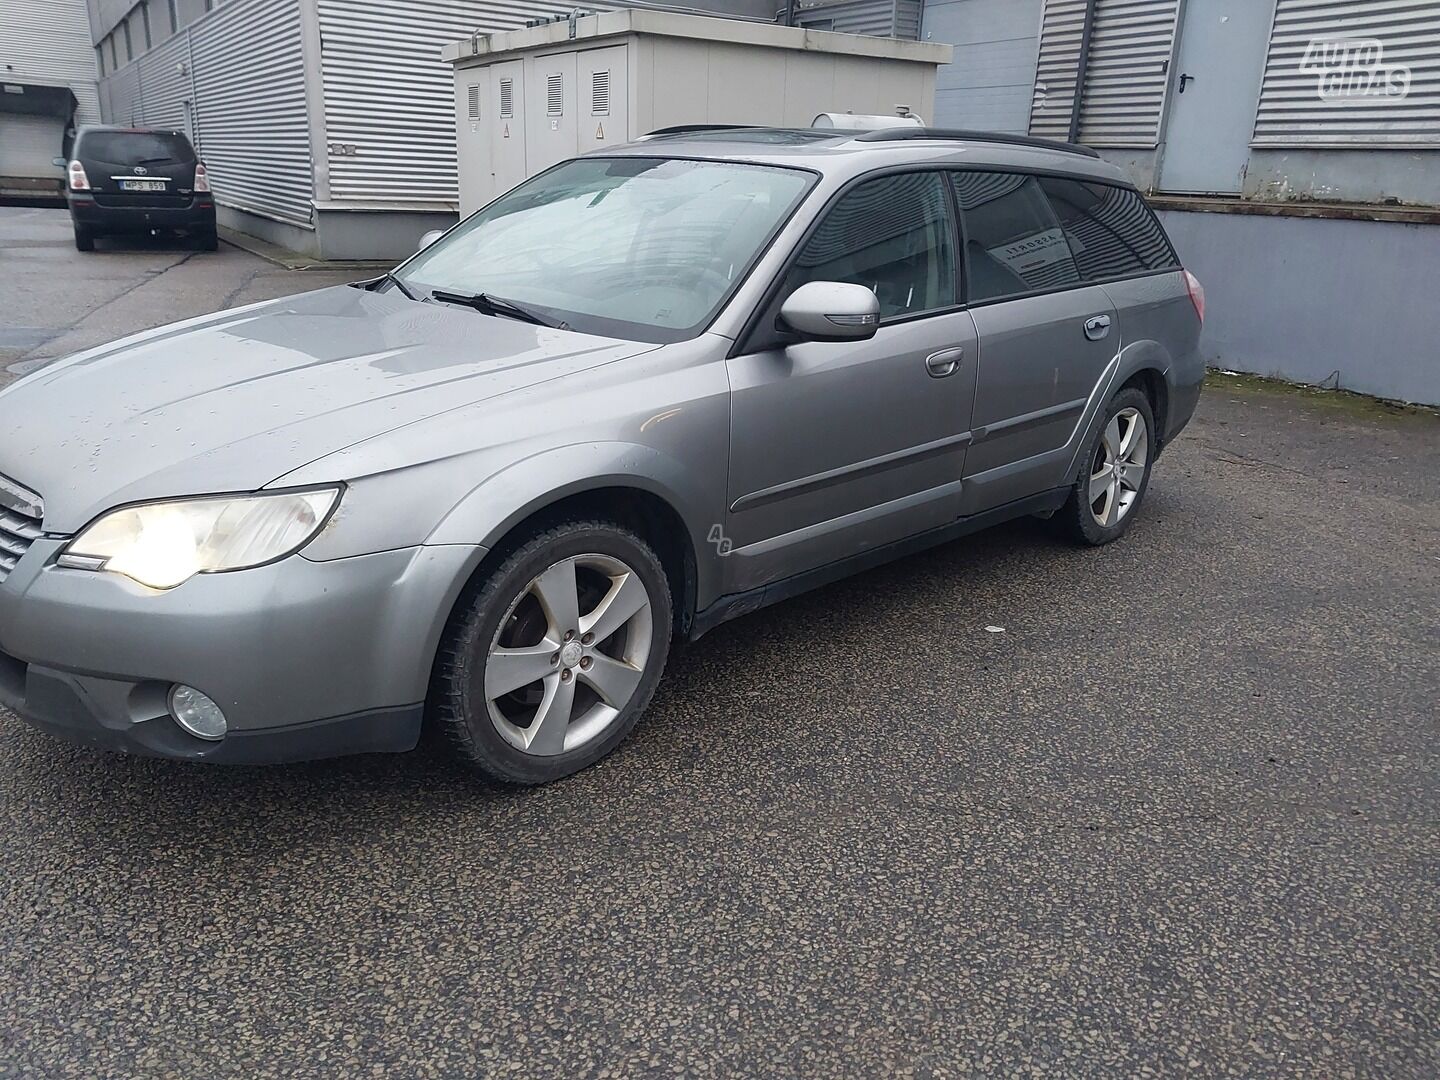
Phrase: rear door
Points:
(1046, 338)
(138, 168)
(840, 447)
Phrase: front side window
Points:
(893, 235)
(1013, 242)
(644, 248)
(1111, 231)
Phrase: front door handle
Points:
(1097, 327)
(945, 362)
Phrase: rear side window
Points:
(1110, 230)
(893, 235)
(1013, 242)
(136, 147)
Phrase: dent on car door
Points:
(840, 447)
(1046, 339)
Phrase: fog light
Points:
(196, 713)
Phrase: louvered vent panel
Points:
(600, 93)
(507, 98)
(1059, 60)
(555, 95)
(1292, 111)
(1128, 70)
(472, 96)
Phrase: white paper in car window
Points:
(1027, 258)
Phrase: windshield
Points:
(641, 248)
(136, 147)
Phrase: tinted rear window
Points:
(136, 147)
(1111, 231)
(1013, 242)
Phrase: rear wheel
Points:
(1111, 484)
(550, 664)
(84, 239)
(207, 240)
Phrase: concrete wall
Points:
(989, 84)
(1303, 298)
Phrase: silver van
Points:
(644, 392)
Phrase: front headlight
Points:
(166, 544)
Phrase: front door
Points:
(840, 447)
(1214, 87)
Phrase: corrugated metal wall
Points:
(991, 82)
(45, 43)
(1128, 70)
(1061, 28)
(390, 97)
(242, 72)
(878, 18)
(1292, 112)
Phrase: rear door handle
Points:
(1097, 327)
(945, 362)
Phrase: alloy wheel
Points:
(568, 655)
(1118, 470)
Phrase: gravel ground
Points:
(1181, 815)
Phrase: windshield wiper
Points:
(404, 289)
(497, 305)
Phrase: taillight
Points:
(202, 181)
(78, 180)
(1197, 294)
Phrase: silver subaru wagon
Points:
(642, 393)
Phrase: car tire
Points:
(533, 616)
(1104, 500)
(209, 240)
(84, 239)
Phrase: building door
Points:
(1214, 88)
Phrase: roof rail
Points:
(910, 133)
(690, 129)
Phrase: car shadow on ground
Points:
(129, 243)
(215, 806)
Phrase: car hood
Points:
(231, 402)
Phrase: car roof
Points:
(847, 153)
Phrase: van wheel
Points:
(546, 668)
(1114, 473)
(84, 239)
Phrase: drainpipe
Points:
(790, 13)
(1080, 71)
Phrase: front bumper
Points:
(307, 659)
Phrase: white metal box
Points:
(527, 99)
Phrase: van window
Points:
(893, 235)
(136, 147)
(1013, 242)
(1110, 230)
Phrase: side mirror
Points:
(832, 311)
(429, 238)
(59, 162)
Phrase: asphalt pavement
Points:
(1179, 815)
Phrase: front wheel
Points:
(1114, 474)
(547, 667)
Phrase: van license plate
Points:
(142, 185)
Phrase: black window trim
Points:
(1087, 283)
(745, 341)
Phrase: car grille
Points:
(20, 514)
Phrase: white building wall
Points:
(46, 43)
